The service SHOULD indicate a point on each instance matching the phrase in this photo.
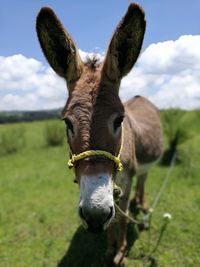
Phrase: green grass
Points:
(11, 140)
(39, 224)
(54, 134)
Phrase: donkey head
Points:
(93, 112)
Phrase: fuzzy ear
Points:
(57, 45)
(125, 44)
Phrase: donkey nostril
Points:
(96, 217)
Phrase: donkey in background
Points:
(94, 114)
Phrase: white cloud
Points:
(168, 73)
(17, 102)
(26, 84)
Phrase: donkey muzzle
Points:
(96, 220)
(96, 207)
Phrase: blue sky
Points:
(91, 24)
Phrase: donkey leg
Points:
(122, 242)
(140, 198)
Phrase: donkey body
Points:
(94, 114)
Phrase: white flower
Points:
(151, 210)
(167, 216)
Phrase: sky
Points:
(167, 71)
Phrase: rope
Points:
(157, 198)
(166, 178)
(117, 193)
(106, 154)
(122, 140)
(145, 219)
(121, 212)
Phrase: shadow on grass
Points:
(88, 250)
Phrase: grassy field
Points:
(39, 225)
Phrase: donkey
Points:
(94, 114)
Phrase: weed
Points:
(12, 140)
(176, 133)
(54, 133)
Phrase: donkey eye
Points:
(69, 125)
(117, 123)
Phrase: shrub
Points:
(11, 140)
(54, 133)
(175, 131)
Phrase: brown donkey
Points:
(94, 114)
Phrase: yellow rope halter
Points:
(85, 154)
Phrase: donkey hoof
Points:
(145, 208)
(119, 259)
(143, 226)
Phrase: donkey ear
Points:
(125, 44)
(57, 45)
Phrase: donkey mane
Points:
(92, 62)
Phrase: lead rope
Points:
(117, 191)
(146, 217)
(124, 214)
(160, 192)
